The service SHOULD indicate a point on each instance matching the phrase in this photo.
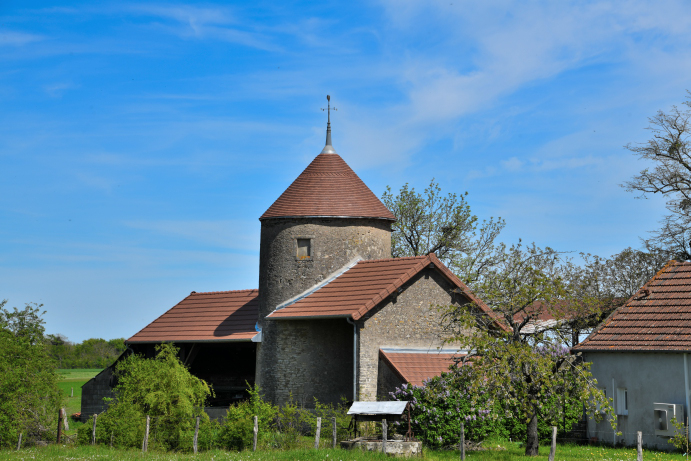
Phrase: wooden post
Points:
(93, 431)
(256, 431)
(383, 436)
(19, 442)
(335, 431)
(639, 448)
(66, 424)
(553, 449)
(59, 425)
(462, 447)
(71, 391)
(318, 432)
(196, 436)
(145, 443)
(111, 439)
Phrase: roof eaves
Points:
(387, 218)
(220, 340)
(309, 317)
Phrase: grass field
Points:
(512, 451)
(73, 379)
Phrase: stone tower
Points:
(326, 219)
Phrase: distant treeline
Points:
(90, 353)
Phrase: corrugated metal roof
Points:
(378, 408)
(215, 316)
(328, 187)
(416, 367)
(656, 318)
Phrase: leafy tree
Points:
(429, 222)
(161, 387)
(29, 395)
(669, 149)
(90, 353)
(515, 357)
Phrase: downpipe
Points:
(354, 324)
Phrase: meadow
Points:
(508, 451)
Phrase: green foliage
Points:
(90, 353)
(162, 388)
(440, 405)
(237, 429)
(29, 395)
(681, 435)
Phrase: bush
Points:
(237, 429)
(29, 394)
(439, 405)
(162, 388)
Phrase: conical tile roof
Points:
(328, 187)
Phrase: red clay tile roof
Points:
(414, 367)
(328, 187)
(213, 316)
(656, 318)
(364, 286)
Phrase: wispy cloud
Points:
(15, 38)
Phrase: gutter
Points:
(355, 342)
(686, 386)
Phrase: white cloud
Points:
(14, 38)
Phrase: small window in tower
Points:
(304, 248)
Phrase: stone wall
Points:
(335, 242)
(387, 381)
(411, 319)
(314, 358)
(94, 391)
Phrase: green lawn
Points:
(72, 380)
(512, 451)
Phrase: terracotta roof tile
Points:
(213, 316)
(414, 367)
(364, 286)
(656, 318)
(328, 187)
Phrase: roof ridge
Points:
(403, 258)
(219, 292)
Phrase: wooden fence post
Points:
(145, 443)
(111, 439)
(335, 431)
(639, 446)
(59, 425)
(196, 436)
(553, 449)
(19, 442)
(383, 436)
(256, 431)
(66, 424)
(93, 431)
(71, 391)
(318, 433)
(462, 447)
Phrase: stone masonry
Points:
(410, 320)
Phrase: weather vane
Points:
(328, 108)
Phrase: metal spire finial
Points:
(328, 148)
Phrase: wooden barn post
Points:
(93, 431)
(383, 436)
(335, 432)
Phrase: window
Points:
(304, 248)
(622, 401)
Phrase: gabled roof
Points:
(656, 318)
(362, 287)
(415, 367)
(328, 187)
(205, 317)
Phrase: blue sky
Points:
(140, 142)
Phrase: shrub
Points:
(439, 406)
(29, 395)
(237, 433)
(162, 388)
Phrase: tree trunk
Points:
(532, 442)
